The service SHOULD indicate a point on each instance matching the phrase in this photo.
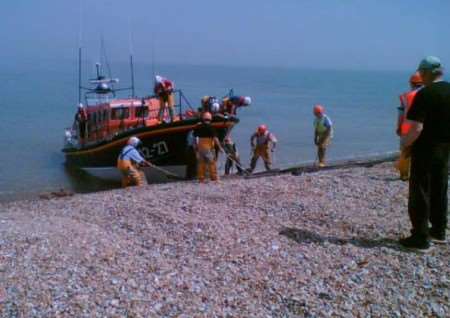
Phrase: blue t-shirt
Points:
(131, 153)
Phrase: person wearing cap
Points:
(164, 90)
(230, 149)
(205, 143)
(323, 132)
(130, 162)
(263, 143)
(230, 104)
(428, 142)
(403, 126)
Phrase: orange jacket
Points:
(406, 101)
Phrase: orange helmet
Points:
(261, 129)
(206, 116)
(416, 79)
(318, 109)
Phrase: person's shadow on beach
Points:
(307, 237)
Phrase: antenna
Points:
(80, 38)
(130, 40)
(153, 58)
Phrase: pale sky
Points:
(333, 34)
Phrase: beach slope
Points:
(316, 245)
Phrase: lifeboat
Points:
(104, 123)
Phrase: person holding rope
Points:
(263, 143)
(205, 143)
(130, 163)
(232, 154)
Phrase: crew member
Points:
(130, 162)
(429, 142)
(164, 90)
(232, 156)
(263, 143)
(403, 126)
(231, 103)
(210, 104)
(323, 132)
(191, 159)
(81, 118)
(205, 142)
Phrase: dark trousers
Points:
(428, 186)
(229, 163)
(191, 163)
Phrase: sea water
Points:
(38, 100)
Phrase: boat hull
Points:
(163, 145)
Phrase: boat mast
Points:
(130, 44)
(132, 76)
(79, 75)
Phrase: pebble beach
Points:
(320, 244)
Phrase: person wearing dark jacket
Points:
(428, 142)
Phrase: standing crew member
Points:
(231, 103)
(164, 90)
(191, 159)
(81, 119)
(205, 142)
(130, 162)
(263, 143)
(403, 126)
(429, 142)
(232, 156)
(323, 132)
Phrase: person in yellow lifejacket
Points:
(164, 90)
(205, 143)
(130, 162)
(263, 143)
(403, 126)
(323, 132)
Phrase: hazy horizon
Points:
(330, 35)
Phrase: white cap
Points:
(247, 100)
(80, 105)
(158, 79)
(134, 141)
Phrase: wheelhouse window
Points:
(141, 112)
(120, 113)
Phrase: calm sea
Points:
(38, 100)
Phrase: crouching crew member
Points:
(403, 126)
(205, 143)
(263, 143)
(323, 132)
(164, 90)
(231, 103)
(130, 163)
(229, 146)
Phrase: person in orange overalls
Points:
(205, 143)
(403, 126)
(130, 162)
(263, 143)
(164, 90)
